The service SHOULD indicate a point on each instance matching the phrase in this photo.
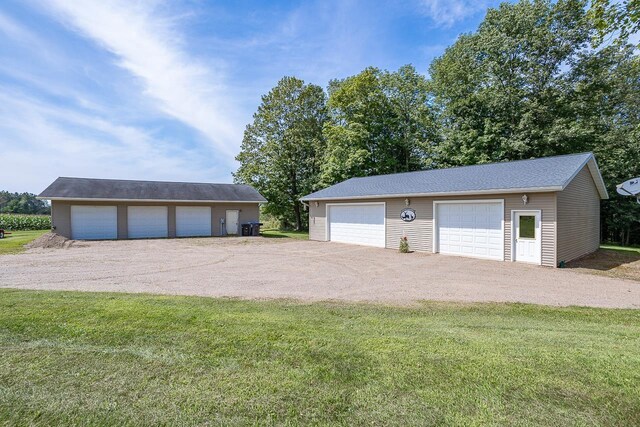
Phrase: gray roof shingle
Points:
(547, 173)
(116, 189)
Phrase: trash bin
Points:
(246, 229)
(255, 228)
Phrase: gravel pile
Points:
(49, 240)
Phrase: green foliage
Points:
(611, 17)
(501, 91)
(23, 203)
(79, 358)
(25, 222)
(404, 245)
(526, 85)
(379, 122)
(282, 149)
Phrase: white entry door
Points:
(357, 223)
(527, 237)
(94, 222)
(147, 221)
(192, 221)
(231, 221)
(473, 229)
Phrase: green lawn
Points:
(14, 243)
(272, 233)
(620, 248)
(117, 359)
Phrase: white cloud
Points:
(147, 45)
(41, 141)
(445, 13)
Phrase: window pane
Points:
(527, 227)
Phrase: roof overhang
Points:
(443, 194)
(89, 199)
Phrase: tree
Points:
(619, 19)
(527, 85)
(22, 203)
(499, 92)
(379, 122)
(281, 150)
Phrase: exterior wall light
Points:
(525, 199)
(317, 204)
(407, 202)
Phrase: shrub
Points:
(404, 245)
(25, 222)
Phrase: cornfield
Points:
(25, 222)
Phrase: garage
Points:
(193, 221)
(147, 222)
(357, 223)
(94, 222)
(470, 228)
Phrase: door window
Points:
(527, 227)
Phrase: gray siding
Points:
(61, 214)
(420, 231)
(578, 218)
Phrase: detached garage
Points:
(100, 209)
(540, 211)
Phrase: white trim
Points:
(82, 199)
(328, 220)
(434, 215)
(538, 214)
(443, 194)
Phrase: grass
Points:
(117, 359)
(621, 248)
(14, 243)
(278, 234)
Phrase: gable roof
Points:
(535, 175)
(65, 188)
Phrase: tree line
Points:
(535, 79)
(23, 203)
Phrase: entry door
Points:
(357, 223)
(528, 237)
(231, 221)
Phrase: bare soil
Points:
(260, 268)
(49, 241)
(610, 263)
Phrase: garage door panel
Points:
(470, 229)
(94, 222)
(147, 222)
(193, 221)
(361, 224)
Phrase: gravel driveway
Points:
(305, 270)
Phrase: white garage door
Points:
(193, 221)
(470, 229)
(360, 224)
(147, 221)
(94, 222)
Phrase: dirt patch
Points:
(611, 263)
(49, 241)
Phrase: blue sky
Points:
(163, 90)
